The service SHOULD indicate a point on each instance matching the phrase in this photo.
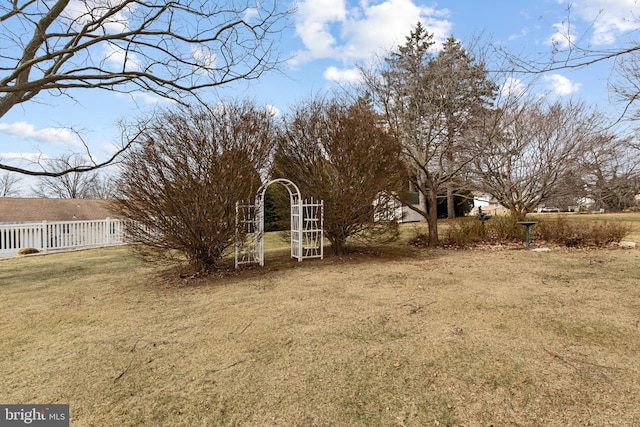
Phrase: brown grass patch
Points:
(504, 337)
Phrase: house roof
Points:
(15, 209)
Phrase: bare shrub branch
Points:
(181, 184)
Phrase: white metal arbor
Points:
(307, 232)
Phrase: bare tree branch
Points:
(174, 49)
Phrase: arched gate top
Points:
(294, 191)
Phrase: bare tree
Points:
(530, 148)
(105, 187)
(181, 185)
(9, 185)
(72, 185)
(611, 172)
(342, 153)
(170, 48)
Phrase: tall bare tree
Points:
(170, 48)
(181, 185)
(530, 148)
(627, 83)
(9, 183)
(342, 153)
(72, 185)
(611, 172)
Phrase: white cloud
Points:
(513, 87)
(560, 85)
(523, 33)
(610, 18)
(331, 30)
(82, 12)
(313, 25)
(563, 38)
(110, 148)
(385, 25)
(148, 98)
(273, 110)
(28, 157)
(24, 130)
(349, 75)
(250, 14)
(204, 59)
(119, 58)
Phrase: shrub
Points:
(469, 231)
(504, 229)
(609, 232)
(180, 184)
(335, 151)
(464, 232)
(557, 231)
(419, 240)
(28, 251)
(579, 233)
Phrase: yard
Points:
(408, 337)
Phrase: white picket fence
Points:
(61, 235)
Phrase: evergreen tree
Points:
(431, 103)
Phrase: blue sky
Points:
(325, 42)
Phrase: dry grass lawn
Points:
(414, 338)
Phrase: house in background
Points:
(57, 224)
(488, 204)
(393, 210)
(17, 210)
(402, 213)
(408, 214)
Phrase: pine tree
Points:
(430, 101)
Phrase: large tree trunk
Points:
(451, 205)
(451, 208)
(432, 218)
(421, 182)
(422, 200)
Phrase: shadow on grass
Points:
(277, 260)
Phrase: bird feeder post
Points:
(527, 224)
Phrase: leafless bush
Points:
(181, 185)
(579, 233)
(465, 232)
(339, 152)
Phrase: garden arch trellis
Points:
(307, 235)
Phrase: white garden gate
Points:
(307, 233)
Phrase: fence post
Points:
(107, 225)
(45, 235)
